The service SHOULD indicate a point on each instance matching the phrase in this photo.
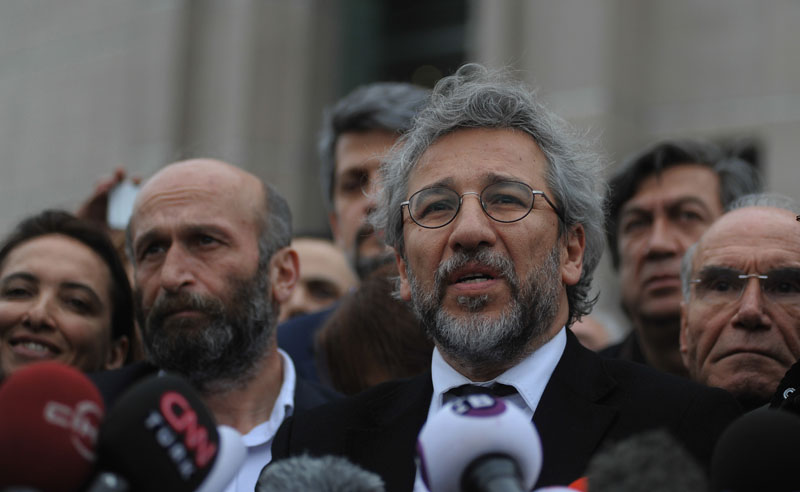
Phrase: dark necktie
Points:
(497, 390)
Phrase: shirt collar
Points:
(529, 377)
(283, 407)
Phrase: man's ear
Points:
(117, 353)
(405, 288)
(683, 335)
(284, 270)
(572, 255)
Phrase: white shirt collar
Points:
(259, 440)
(529, 377)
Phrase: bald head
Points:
(221, 184)
(740, 332)
(201, 178)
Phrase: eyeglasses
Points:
(504, 201)
(719, 285)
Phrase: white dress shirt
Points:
(529, 378)
(259, 440)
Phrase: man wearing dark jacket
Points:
(495, 214)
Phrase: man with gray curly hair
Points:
(493, 206)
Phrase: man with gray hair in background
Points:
(740, 315)
(493, 207)
(356, 134)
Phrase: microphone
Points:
(231, 456)
(160, 436)
(48, 430)
(324, 474)
(758, 451)
(651, 460)
(787, 396)
(481, 444)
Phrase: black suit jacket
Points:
(113, 384)
(589, 401)
(296, 337)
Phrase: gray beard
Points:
(221, 352)
(481, 341)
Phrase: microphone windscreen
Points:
(651, 460)
(231, 456)
(49, 417)
(324, 474)
(474, 427)
(159, 436)
(758, 451)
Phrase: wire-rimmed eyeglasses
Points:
(503, 201)
(721, 285)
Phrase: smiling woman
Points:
(64, 295)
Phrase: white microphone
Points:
(231, 456)
(479, 443)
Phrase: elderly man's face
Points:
(747, 344)
(667, 214)
(475, 273)
(358, 156)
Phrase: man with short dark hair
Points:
(740, 315)
(210, 247)
(356, 134)
(494, 209)
(660, 202)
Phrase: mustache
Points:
(167, 304)
(482, 257)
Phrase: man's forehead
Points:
(767, 234)
(505, 154)
(682, 183)
(362, 150)
(190, 209)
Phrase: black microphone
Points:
(758, 451)
(48, 430)
(479, 444)
(324, 474)
(160, 436)
(787, 396)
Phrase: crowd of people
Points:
(467, 224)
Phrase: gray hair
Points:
(276, 224)
(736, 177)
(387, 106)
(476, 97)
(772, 200)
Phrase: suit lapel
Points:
(570, 421)
(386, 442)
